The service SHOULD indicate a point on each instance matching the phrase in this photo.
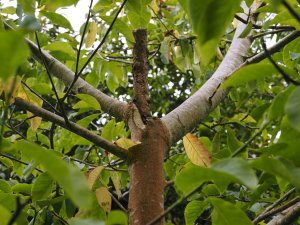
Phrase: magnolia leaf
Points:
(91, 35)
(209, 21)
(28, 96)
(116, 179)
(193, 210)
(249, 73)
(126, 143)
(42, 187)
(117, 217)
(94, 175)
(14, 52)
(225, 213)
(70, 178)
(103, 198)
(293, 109)
(196, 151)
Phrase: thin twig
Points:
(277, 210)
(175, 204)
(41, 97)
(17, 212)
(291, 10)
(118, 203)
(268, 33)
(95, 51)
(277, 202)
(285, 76)
(242, 148)
(60, 103)
(259, 26)
(19, 161)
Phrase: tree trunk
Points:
(146, 193)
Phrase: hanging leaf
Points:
(42, 187)
(209, 20)
(225, 213)
(94, 175)
(104, 198)
(91, 35)
(28, 96)
(193, 210)
(68, 177)
(196, 151)
(293, 109)
(126, 143)
(116, 179)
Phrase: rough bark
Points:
(140, 73)
(146, 193)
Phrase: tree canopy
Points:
(203, 96)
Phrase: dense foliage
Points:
(50, 175)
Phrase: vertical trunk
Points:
(146, 194)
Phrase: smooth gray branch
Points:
(73, 127)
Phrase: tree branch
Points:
(73, 127)
(182, 119)
(287, 217)
(108, 104)
(200, 104)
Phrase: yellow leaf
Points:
(126, 143)
(115, 177)
(196, 151)
(94, 175)
(103, 198)
(91, 36)
(28, 96)
(10, 87)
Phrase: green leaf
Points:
(292, 109)
(76, 221)
(276, 109)
(58, 19)
(5, 215)
(108, 131)
(61, 46)
(192, 176)
(232, 141)
(29, 22)
(239, 169)
(138, 13)
(42, 187)
(210, 19)
(52, 5)
(84, 122)
(117, 217)
(249, 73)
(278, 167)
(22, 188)
(225, 213)
(68, 177)
(193, 210)
(14, 52)
(90, 101)
(5, 187)
(112, 82)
